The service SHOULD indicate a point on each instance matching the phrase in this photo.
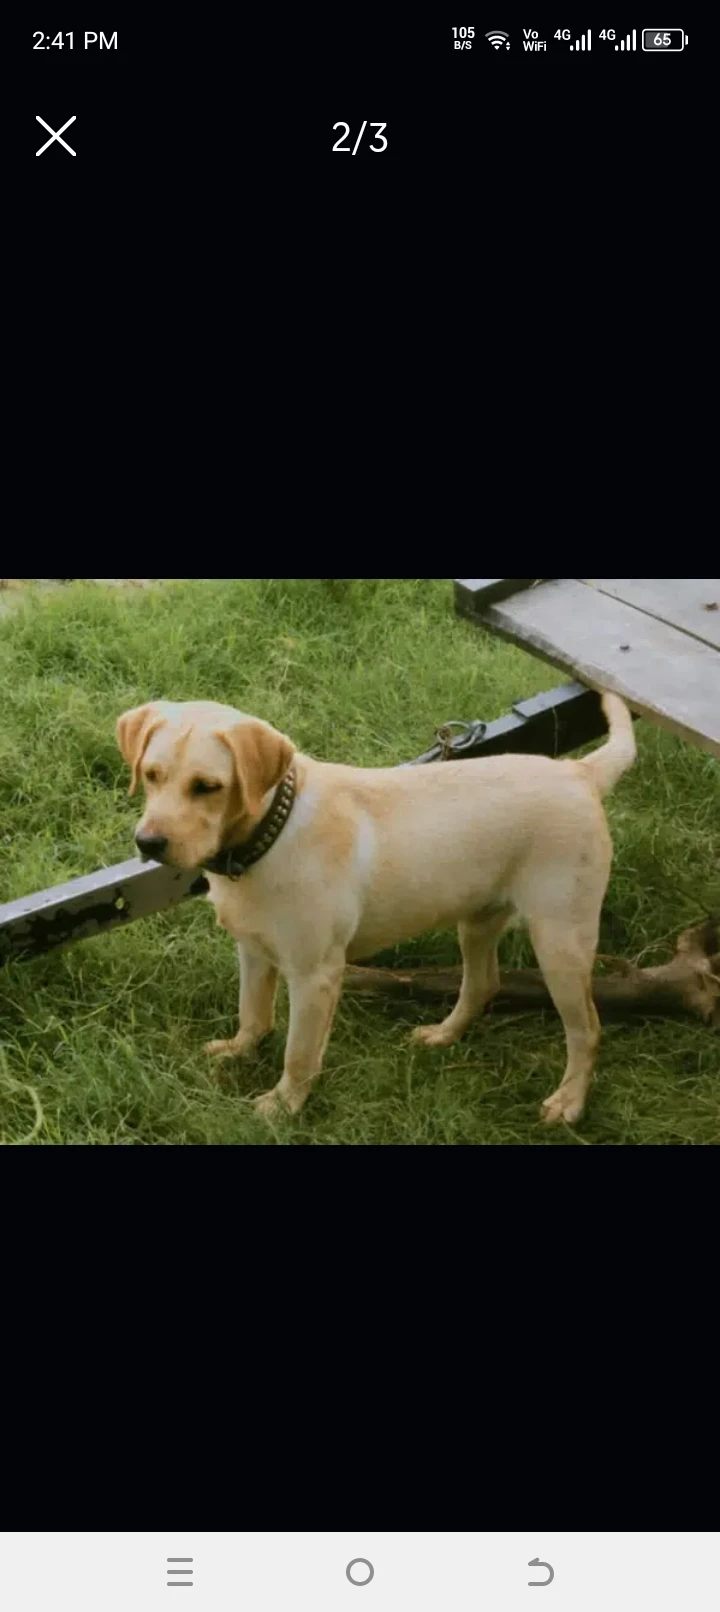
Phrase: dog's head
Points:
(207, 771)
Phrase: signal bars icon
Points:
(497, 38)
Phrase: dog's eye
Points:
(151, 777)
(200, 786)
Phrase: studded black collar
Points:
(232, 863)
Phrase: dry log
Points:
(689, 983)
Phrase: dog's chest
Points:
(240, 909)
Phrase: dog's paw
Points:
(566, 1103)
(433, 1035)
(273, 1104)
(268, 1105)
(285, 1098)
(240, 1047)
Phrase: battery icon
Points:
(669, 39)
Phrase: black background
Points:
(538, 200)
(114, 232)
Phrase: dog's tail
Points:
(609, 763)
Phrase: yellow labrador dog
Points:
(312, 864)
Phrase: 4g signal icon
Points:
(498, 38)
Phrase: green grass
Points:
(103, 1044)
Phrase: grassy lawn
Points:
(103, 1043)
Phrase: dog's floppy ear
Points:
(262, 757)
(133, 733)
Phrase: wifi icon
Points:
(497, 37)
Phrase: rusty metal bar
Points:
(551, 724)
(94, 905)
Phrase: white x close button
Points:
(55, 136)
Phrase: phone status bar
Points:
(589, 41)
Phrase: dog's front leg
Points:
(258, 987)
(314, 996)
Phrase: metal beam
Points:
(92, 906)
(549, 724)
(476, 593)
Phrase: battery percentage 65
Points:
(663, 39)
(338, 146)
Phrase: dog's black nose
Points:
(152, 845)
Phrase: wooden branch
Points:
(690, 983)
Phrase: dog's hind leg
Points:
(478, 938)
(566, 955)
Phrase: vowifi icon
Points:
(531, 41)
